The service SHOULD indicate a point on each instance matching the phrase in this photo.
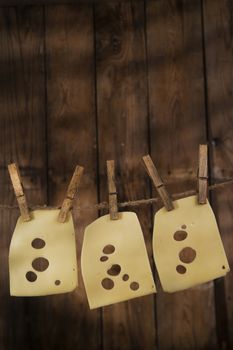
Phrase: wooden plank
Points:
(217, 17)
(123, 131)
(22, 139)
(186, 320)
(67, 321)
(8, 3)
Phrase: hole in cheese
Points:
(134, 285)
(184, 227)
(31, 276)
(125, 277)
(187, 255)
(181, 269)
(180, 235)
(107, 283)
(57, 282)
(109, 249)
(103, 258)
(38, 243)
(114, 270)
(40, 264)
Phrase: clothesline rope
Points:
(138, 202)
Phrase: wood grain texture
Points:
(7, 3)
(49, 141)
(70, 193)
(17, 185)
(218, 31)
(203, 174)
(158, 183)
(112, 191)
(186, 320)
(122, 134)
(67, 321)
(22, 139)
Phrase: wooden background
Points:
(88, 82)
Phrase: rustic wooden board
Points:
(219, 63)
(176, 125)
(8, 3)
(22, 139)
(71, 140)
(186, 320)
(122, 134)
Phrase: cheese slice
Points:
(42, 257)
(115, 265)
(187, 245)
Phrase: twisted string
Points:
(138, 202)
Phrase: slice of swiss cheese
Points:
(187, 245)
(115, 265)
(55, 245)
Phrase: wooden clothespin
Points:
(203, 174)
(19, 192)
(72, 188)
(158, 183)
(112, 192)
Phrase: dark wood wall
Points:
(89, 82)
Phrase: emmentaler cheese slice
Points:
(115, 265)
(42, 257)
(187, 245)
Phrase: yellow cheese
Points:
(187, 245)
(42, 257)
(115, 265)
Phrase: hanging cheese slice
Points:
(115, 265)
(187, 245)
(42, 257)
